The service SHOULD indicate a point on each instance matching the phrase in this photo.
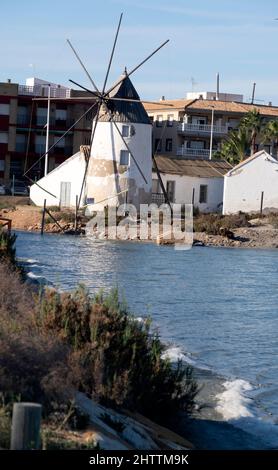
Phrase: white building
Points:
(191, 181)
(61, 186)
(115, 175)
(252, 183)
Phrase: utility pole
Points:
(47, 133)
(211, 133)
(253, 93)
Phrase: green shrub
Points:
(7, 248)
(122, 358)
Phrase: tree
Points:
(270, 134)
(253, 124)
(236, 147)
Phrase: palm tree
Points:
(236, 147)
(270, 134)
(252, 123)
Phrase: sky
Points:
(237, 38)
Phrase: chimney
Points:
(217, 86)
(270, 103)
(9, 80)
(162, 98)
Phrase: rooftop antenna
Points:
(102, 101)
(217, 86)
(253, 93)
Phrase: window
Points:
(20, 142)
(170, 188)
(4, 137)
(4, 109)
(203, 193)
(155, 187)
(169, 145)
(157, 145)
(170, 119)
(125, 131)
(2, 165)
(124, 157)
(159, 120)
(61, 143)
(61, 114)
(197, 144)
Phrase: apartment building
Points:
(183, 128)
(23, 127)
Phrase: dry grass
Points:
(213, 224)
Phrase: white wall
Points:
(184, 188)
(72, 170)
(106, 177)
(243, 186)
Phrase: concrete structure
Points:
(212, 95)
(252, 183)
(61, 186)
(191, 181)
(113, 175)
(183, 129)
(22, 126)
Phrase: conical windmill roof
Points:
(124, 111)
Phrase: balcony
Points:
(202, 129)
(193, 153)
(42, 90)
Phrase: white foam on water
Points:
(233, 402)
(27, 260)
(175, 354)
(237, 407)
(34, 276)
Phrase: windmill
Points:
(117, 108)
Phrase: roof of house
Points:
(219, 106)
(260, 153)
(198, 168)
(124, 111)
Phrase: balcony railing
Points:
(42, 90)
(158, 198)
(195, 153)
(201, 129)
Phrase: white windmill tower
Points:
(120, 167)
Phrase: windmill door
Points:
(65, 188)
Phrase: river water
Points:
(216, 307)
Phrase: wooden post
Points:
(193, 197)
(262, 202)
(43, 217)
(26, 423)
(75, 216)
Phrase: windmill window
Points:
(203, 193)
(124, 157)
(125, 131)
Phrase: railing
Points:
(158, 198)
(42, 90)
(196, 153)
(202, 128)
